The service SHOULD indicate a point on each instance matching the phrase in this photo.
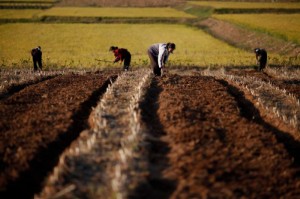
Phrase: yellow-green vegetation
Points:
(115, 12)
(286, 26)
(19, 13)
(78, 45)
(248, 5)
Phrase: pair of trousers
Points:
(154, 64)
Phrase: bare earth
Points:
(38, 123)
(214, 149)
(208, 139)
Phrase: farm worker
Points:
(121, 54)
(261, 58)
(37, 58)
(159, 54)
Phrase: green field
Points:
(115, 12)
(246, 5)
(286, 26)
(78, 45)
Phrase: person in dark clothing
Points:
(37, 58)
(261, 57)
(159, 54)
(121, 54)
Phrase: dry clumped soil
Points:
(209, 140)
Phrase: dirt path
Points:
(38, 123)
(247, 39)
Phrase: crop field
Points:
(115, 12)
(19, 14)
(120, 3)
(248, 5)
(212, 126)
(275, 24)
(79, 45)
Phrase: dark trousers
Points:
(37, 63)
(154, 64)
(262, 64)
(127, 60)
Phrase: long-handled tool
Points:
(102, 60)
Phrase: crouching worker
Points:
(121, 54)
(36, 54)
(261, 58)
(159, 54)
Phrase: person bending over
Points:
(261, 57)
(121, 54)
(159, 54)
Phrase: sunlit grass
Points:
(248, 5)
(79, 45)
(115, 12)
(19, 13)
(283, 25)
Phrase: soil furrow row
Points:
(38, 123)
(277, 102)
(214, 150)
(106, 157)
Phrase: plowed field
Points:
(200, 135)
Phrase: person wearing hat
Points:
(159, 54)
(36, 54)
(261, 57)
(121, 54)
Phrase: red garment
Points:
(120, 54)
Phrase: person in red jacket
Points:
(121, 54)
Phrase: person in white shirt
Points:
(159, 54)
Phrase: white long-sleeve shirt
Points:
(160, 51)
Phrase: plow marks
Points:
(100, 162)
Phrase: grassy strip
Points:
(285, 27)
(116, 12)
(12, 14)
(140, 20)
(256, 10)
(247, 5)
(120, 3)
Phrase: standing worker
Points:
(261, 57)
(159, 54)
(37, 58)
(123, 55)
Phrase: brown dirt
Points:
(207, 145)
(207, 140)
(38, 123)
(291, 86)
